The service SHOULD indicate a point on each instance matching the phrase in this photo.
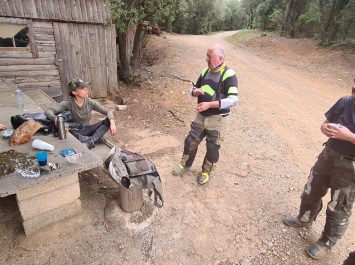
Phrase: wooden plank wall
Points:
(86, 48)
(87, 52)
(92, 11)
(28, 72)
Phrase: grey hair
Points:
(219, 49)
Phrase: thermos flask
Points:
(61, 128)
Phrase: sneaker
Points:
(90, 144)
(180, 169)
(318, 251)
(203, 178)
(295, 222)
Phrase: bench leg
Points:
(49, 202)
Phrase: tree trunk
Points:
(293, 10)
(124, 57)
(137, 46)
(329, 12)
(131, 200)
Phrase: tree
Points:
(264, 10)
(149, 11)
(124, 14)
(330, 14)
(347, 21)
(249, 7)
(128, 13)
(293, 11)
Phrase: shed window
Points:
(14, 35)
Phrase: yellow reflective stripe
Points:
(204, 71)
(207, 89)
(233, 90)
(228, 74)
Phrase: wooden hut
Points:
(65, 40)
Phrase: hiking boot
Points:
(318, 251)
(180, 169)
(203, 178)
(295, 222)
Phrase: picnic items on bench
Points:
(133, 173)
(47, 125)
(23, 163)
(42, 145)
(7, 133)
(24, 132)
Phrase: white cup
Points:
(42, 145)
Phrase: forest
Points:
(329, 22)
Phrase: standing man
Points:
(217, 92)
(80, 106)
(334, 169)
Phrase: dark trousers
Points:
(334, 171)
(350, 260)
(92, 132)
(211, 127)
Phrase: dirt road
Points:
(272, 142)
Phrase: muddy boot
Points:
(204, 177)
(181, 168)
(319, 250)
(296, 222)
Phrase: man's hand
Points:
(203, 106)
(338, 132)
(2, 127)
(113, 128)
(197, 92)
(326, 129)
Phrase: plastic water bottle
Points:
(19, 98)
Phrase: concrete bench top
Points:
(13, 183)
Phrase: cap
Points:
(77, 83)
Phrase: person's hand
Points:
(197, 92)
(326, 128)
(339, 132)
(2, 127)
(113, 128)
(203, 106)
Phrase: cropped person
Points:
(334, 169)
(80, 106)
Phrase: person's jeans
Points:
(92, 132)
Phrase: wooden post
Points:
(130, 199)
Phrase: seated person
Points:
(80, 106)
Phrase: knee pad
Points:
(212, 154)
(191, 143)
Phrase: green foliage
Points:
(243, 36)
(309, 22)
(346, 22)
(127, 13)
(124, 14)
(276, 19)
(204, 16)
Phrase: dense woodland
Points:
(328, 21)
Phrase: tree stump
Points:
(130, 199)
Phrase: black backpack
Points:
(48, 125)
